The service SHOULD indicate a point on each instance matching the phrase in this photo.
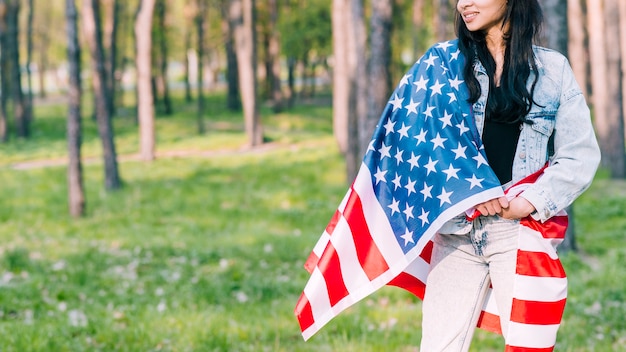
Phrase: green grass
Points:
(205, 253)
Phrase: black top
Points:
(500, 141)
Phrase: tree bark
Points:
(273, 54)
(577, 49)
(93, 35)
(76, 193)
(163, 83)
(29, 58)
(245, 43)
(20, 108)
(622, 41)
(200, 20)
(614, 146)
(379, 75)
(4, 74)
(341, 72)
(609, 127)
(145, 100)
(233, 101)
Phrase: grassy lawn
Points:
(205, 252)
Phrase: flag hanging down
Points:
(424, 165)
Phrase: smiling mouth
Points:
(470, 15)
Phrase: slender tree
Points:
(622, 41)
(29, 58)
(163, 60)
(357, 63)
(145, 100)
(245, 42)
(93, 35)
(605, 83)
(112, 21)
(233, 100)
(341, 72)
(577, 47)
(273, 58)
(76, 193)
(12, 52)
(379, 75)
(614, 145)
(4, 72)
(200, 21)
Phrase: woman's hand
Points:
(517, 208)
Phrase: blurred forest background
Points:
(167, 165)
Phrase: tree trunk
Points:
(274, 59)
(622, 41)
(357, 100)
(161, 8)
(245, 44)
(29, 58)
(200, 20)
(111, 43)
(233, 101)
(93, 35)
(604, 86)
(20, 108)
(187, 82)
(379, 75)
(76, 193)
(577, 49)
(614, 111)
(418, 25)
(5, 72)
(145, 100)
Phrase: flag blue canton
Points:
(426, 154)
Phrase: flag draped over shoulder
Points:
(424, 165)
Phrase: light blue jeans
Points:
(462, 268)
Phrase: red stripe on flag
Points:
(489, 322)
(537, 313)
(508, 348)
(370, 258)
(304, 312)
(427, 252)
(538, 264)
(329, 265)
(311, 262)
(333, 222)
(409, 283)
(555, 227)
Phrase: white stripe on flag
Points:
(418, 268)
(321, 244)
(315, 291)
(353, 275)
(532, 241)
(540, 289)
(376, 219)
(531, 336)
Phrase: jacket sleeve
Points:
(576, 153)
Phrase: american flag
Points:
(425, 165)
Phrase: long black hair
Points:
(512, 104)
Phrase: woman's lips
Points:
(469, 16)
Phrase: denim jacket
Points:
(560, 112)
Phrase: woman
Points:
(530, 112)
